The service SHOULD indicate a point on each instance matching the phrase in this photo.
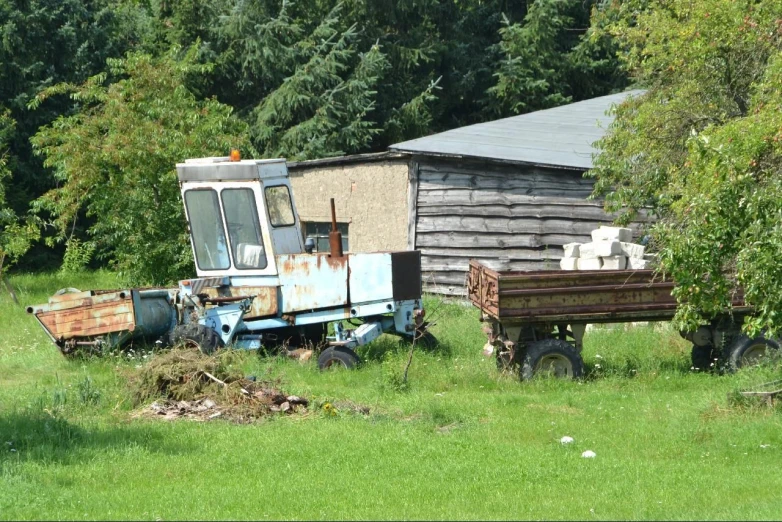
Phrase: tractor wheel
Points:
(338, 356)
(745, 351)
(704, 358)
(553, 357)
(196, 336)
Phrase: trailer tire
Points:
(704, 358)
(554, 356)
(746, 351)
(196, 336)
(338, 355)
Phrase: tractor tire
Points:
(338, 356)
(704, 358)
(206, 340)
(555, 357)
(746, 351)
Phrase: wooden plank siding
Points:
(510, 217)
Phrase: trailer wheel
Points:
(554, 357)
(703, 358)
(338, 356)
(196, 336)
(746, 351)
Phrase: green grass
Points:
(460, 442)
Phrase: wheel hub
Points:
(754, 354)
(555, 365)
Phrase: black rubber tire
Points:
(196, 336)
(746, 351)
(552, 351)
(704, 358)
(338, 355)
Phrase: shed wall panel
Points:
(510, 217)
(371, 197)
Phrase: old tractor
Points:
(259, 282)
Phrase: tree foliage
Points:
(552, 58)
(115, 159)
(16, 233)
(701, 148)
(309, 79)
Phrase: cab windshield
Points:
(206, 228)
(244, 230)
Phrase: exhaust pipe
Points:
(335, 236)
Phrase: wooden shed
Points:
(509, 192)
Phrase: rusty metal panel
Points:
(483, 288)
(370, 277)
(88, 316)
(562, 296)
(537, 295)
(406, 275)
(199, 285)
(312, 281)
(89, 298)
(264, 301)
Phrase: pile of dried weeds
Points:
(189, 384)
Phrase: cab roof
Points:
(223, 169)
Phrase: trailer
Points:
(258, 282)
(535, 321)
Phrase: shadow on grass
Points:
(390, 344)
(44, 437)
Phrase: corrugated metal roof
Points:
(559, 137)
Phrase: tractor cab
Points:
(240, 213)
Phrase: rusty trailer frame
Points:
(522, 308)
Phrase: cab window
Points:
(278, 201)
(244, 230)
(206, 229)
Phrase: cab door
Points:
(283, 219)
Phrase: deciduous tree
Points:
(115, 159)
(701, 149)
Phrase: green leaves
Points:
(701, 150)
(550, 58)
(116, 161)
(16, 233)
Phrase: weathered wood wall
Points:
(511, 217)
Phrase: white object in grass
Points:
(566, 440)
(589, 454)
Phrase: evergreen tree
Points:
(552, 58)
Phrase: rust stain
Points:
(337, 263)
(264, 301)
(87, 314)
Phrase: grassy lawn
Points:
(461, 442)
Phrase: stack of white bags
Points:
(611, 249)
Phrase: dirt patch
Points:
(188, 384)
